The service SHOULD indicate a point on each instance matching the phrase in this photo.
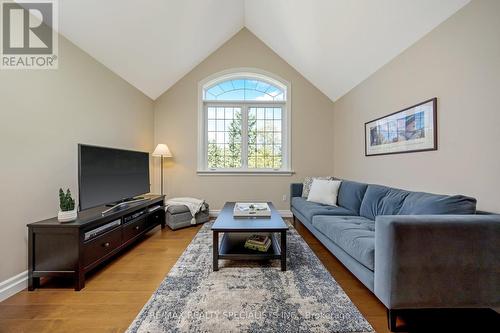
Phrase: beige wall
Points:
(176, 124)
(458, 62)
(43, 115)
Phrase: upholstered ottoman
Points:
(179, 216)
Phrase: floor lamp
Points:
(162, 151)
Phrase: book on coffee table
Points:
(250, 209)
(258, 239)
(258, 243)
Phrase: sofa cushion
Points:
(354, 234)
(382, 200)
(420, 203)
(310, 209)
(351, 195)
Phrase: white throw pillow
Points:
(308, 182)
(324, 191)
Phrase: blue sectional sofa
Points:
(413, 250)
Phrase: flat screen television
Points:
(108, 175)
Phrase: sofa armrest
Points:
(296, 190)
(429, 261)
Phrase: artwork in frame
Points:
(410, 130)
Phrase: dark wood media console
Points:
(72, 249)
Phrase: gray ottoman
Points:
(179, 216)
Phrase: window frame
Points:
(244, 73)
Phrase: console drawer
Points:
(157, 217)
(133, 229)
(100, 246)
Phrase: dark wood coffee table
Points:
(236, 231)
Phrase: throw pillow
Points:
(324, 191)
(307, 184)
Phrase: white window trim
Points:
(257, 74)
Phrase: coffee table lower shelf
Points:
(232, 247)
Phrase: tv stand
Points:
(72, 249)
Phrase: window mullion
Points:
(244, 136)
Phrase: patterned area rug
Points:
(249, 296)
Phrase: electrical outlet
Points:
(284, 197)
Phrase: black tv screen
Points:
(108, 175)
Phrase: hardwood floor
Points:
(112, 297)
(114, 294)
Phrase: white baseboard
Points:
(283, 212)
(214, 212)
(13, 285)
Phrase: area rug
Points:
(249, 296)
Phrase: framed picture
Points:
(410, 130)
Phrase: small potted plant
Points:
(67, 210)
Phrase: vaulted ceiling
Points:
(335, 44)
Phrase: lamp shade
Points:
(162, 150)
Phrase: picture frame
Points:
(411, 130)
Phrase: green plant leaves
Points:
(66, 202)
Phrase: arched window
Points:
(244, 123)
(244, 89)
